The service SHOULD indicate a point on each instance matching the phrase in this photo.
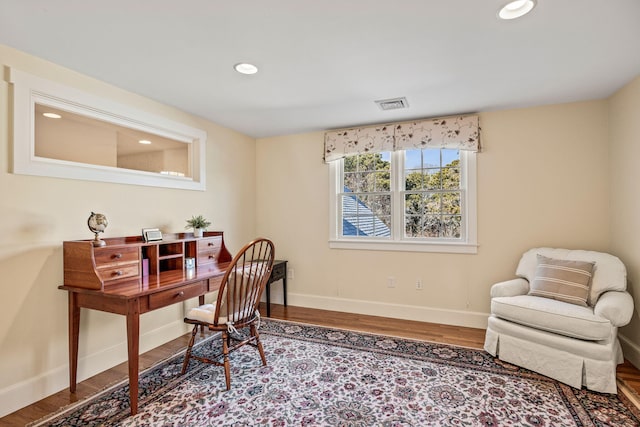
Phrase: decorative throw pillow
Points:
(562, 280)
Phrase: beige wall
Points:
(624, 120)
(39, 213)
(543, 179)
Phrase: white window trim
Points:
(397, 243)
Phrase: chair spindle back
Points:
(244, 281)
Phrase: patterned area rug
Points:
(326, 377)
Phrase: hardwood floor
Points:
(468, 337)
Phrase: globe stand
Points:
(97, 242)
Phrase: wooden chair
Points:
(236, 306)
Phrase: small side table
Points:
(278, 272)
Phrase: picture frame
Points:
(151, 234)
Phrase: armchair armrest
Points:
(510, 288)
(616, 306)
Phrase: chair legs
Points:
(254, 333)
(254, 340)
(187, 355)
(225, 353)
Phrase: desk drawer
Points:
(171, 296)
(119, 271)
(278, 272)
(208, 250)
(206, 258)
(115, 256)
(209, 243)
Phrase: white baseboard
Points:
(630, 350)
(469, 319)
(26, 392)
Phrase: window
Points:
(432, 194)
(366, 195)
(411, 200)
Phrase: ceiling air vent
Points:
(393, 104)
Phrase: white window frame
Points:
(467, 244)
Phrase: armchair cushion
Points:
(609, 273)
(563, 280)
(553, 316)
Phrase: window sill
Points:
(382, 245)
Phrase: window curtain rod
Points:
(458, 132)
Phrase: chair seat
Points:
(553, 316)
(205, 313)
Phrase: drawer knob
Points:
(181, 293)
(117, 256)
(210, 244)
(212, 257)
(118, 273)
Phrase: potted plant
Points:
(199, 224)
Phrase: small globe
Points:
(97, 223)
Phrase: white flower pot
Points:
(197, 232)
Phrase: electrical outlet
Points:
(419, 284)
(290, 273)
(391, 282)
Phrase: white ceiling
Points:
(324, 63)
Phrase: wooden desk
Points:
(278, 272)
(110, 278)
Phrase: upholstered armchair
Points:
(560, 316)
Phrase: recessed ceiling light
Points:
(52, 115)
(144, 141)
(245, 68)
(516, 9)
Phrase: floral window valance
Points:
(373, 139)
(461, 132)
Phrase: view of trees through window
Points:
(431, 194)
(366, 201)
